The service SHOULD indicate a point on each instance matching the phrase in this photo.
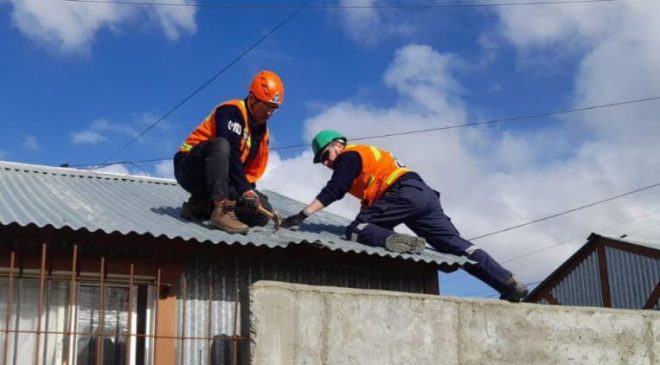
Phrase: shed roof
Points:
(90, 201)
(593, 240)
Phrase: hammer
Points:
(275, 216)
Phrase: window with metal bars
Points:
(79, 330)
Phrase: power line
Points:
(257, 5)
(205, 84)
(643, 229)
(98, 166)
(577, 238)
(417, 131)
(491, 290)
(581, 236)
(566, 211)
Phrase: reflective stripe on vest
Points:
(379, 171)
(254, 168)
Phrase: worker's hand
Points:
(295, 219)
(251, 199)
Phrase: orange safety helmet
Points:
(267, 87)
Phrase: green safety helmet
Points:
(322, 140)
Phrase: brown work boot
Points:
(196, 209)
(224, 218)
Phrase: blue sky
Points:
(79, 80)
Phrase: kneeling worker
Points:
(222, 159)
(392, 194)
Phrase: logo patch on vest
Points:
(235, 127)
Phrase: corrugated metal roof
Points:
(93, 201)
(581, 286)
(632, 277)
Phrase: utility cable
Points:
(542, 219)
(257, 5)
(642, 229)
(495, 121)
(554, 245)
(416, 131)
(209, 81)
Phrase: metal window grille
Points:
(103, 319)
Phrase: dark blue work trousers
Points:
(415, 204)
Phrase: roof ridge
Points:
(73, 172)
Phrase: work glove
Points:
(295, 219)
(252, 201)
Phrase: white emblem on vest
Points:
(235, 127)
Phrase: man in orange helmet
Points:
(391, 194)
(222, 159)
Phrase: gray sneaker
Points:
(514, 291)
(403, 243)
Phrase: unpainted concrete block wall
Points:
(298, 324)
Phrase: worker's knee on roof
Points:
(471, 250)
(218, 145)
(354, 229)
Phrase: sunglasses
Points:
(269, 106)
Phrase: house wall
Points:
(298, 324)
(226, 279)
(200, 284)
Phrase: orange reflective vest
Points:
(379, 171)
(255, 167)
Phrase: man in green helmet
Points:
(391, 194)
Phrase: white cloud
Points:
(104, 125)
(125, 169)
(425, 77)
(165, 169)
(368, 26)
(491, 179)
(115, 169)
(100, 129)
(70, 27)
(176, 21)
(87, 137)
(30, 142)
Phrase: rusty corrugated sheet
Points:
(89, 201)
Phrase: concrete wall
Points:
(299, 324)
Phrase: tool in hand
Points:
(275, 216)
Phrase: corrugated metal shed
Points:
(631, 277)
(90, 201)
(606, 272)
(581, 286)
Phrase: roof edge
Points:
(45, 169)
